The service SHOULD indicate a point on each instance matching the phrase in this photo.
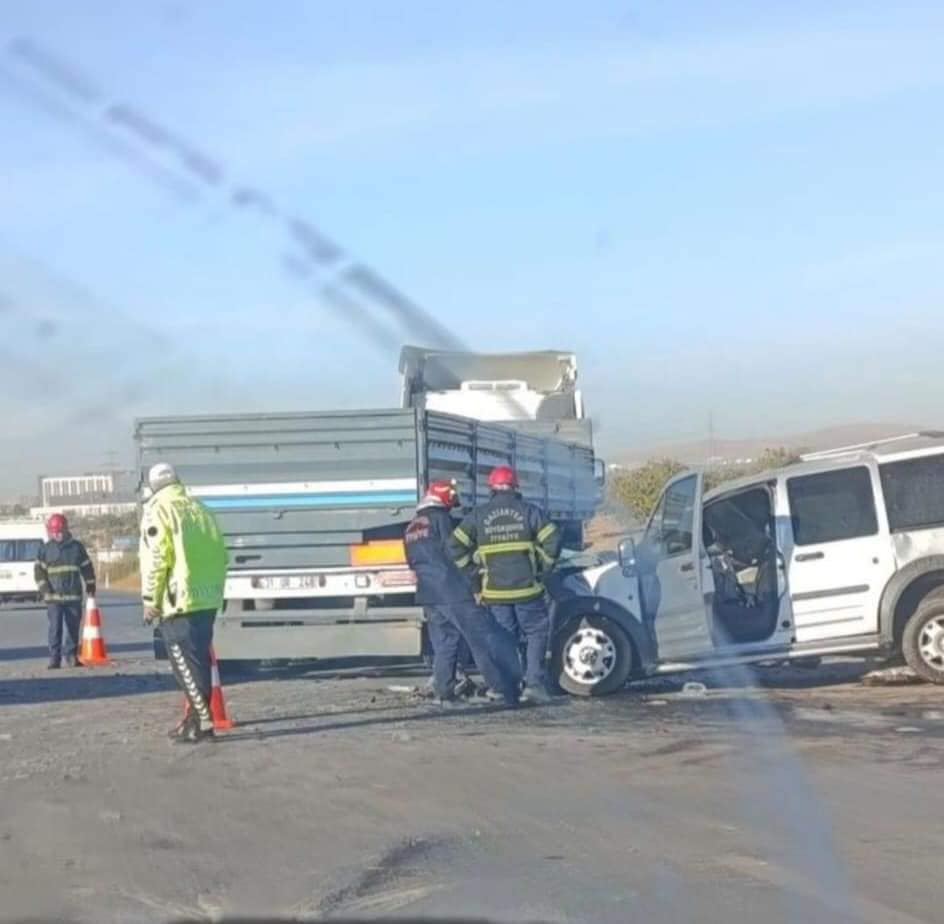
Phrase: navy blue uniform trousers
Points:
(493, 650)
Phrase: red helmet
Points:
(57, 523)
(502, 476)
(442, 493)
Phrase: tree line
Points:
(636, 490)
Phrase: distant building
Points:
(91, 494)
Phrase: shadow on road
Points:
(84, 684)
(392, 671)
(104, 682)
(433, 714)
(795, 678)
(785, 677)
(325, 714)
(41, 651)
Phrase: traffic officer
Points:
(449, 603)
(183, 570)
(510, 544)
(61, 570)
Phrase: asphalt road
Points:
(807, 798)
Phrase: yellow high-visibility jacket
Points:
(182, 553)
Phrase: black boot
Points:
(535, 695)
(53, 666)
(193, 733)
(181, 727)
(463, 687)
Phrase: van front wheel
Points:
(922, 642)
(592, 656)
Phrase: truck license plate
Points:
(289, 582)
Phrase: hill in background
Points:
(728, 451)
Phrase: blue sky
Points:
(732, 208)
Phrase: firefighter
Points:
(61, 570)
(449, 602)
(510, 544)
(183, 570)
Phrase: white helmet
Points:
(161, 475)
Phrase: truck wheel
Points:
(922, 642)
(592, 656)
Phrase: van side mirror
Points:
(599, 472)
(626, 551)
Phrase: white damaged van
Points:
(839, 554)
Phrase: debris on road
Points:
(891, 676)
(321, 755)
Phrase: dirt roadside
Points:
(335, 796)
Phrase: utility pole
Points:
(711, 437)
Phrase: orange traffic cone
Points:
(92, 650)
(221, 721)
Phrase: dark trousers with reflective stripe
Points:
(188, 639)
(530, 622)
(493, 650)
(70, 613)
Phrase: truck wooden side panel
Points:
(296, 490)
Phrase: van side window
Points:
(914, 492)
(831, 506)
(670, 529)
(28, 549)
(7, 550)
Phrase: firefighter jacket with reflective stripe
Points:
(509, 543)
(438, 580)
(183, 554)
(62, 569)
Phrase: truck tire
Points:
(922, 642)
(592, 656)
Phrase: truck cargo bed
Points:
(297, 490)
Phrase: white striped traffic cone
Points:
(92, 650)
(221, 721)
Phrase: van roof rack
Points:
(871, 444)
